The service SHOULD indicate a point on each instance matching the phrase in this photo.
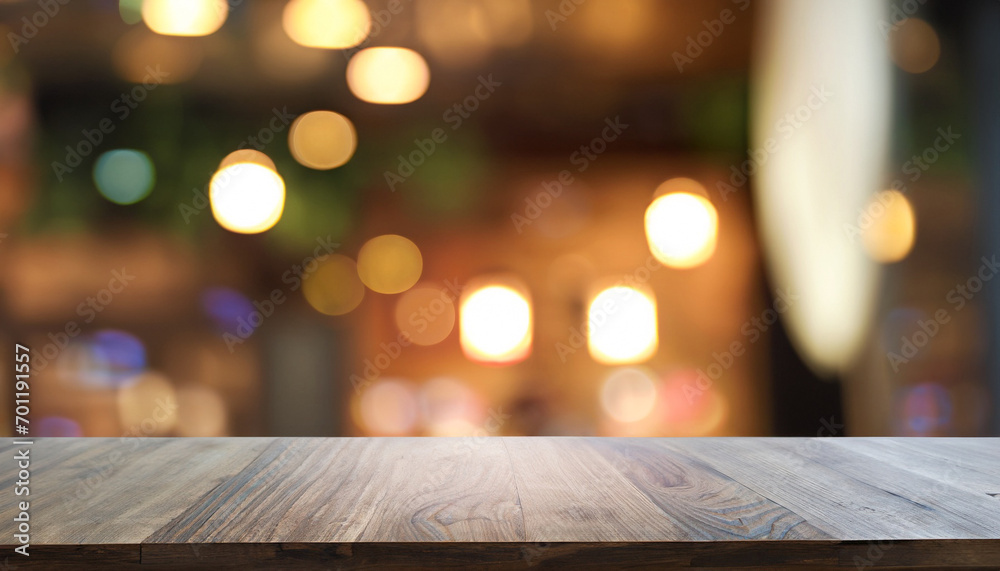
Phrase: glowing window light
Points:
(334, 288)
(628, 395)
(495, 324)
(322, 140)
(682, 229)
(388, 75)
(247, 198)
(621, 326)
(184, 17)
(331, 24)
(389, 264)
(893, 227)
(124, 176)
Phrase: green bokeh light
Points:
(124, 176)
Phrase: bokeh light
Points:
(621, 325)
(247, 156)
(184, 17)
(334, 288)
(147, 406)
(331, 24)
(687, 410)
(495, 324)
(389, 264)
(200, 412)
(322, 140)
(926, 410)
(915, 47)
(628, 395)
(247, 198)
(228, 309)
(893, 227)
(426, 313)
(130, 11)
(124, 176)
(682, 229)
(57, 426)
(388, 75)
(106, 359)
(388, 408)
(450, 408)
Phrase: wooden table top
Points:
(513, 502)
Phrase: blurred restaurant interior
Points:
(502, 217)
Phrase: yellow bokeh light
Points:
(247, 198)
(388, 408)
(331, 24)
(389, 264)
(893, 228)
(334, 288)
(682, 229)
(628, 395)
(147, 406)
(388, 75)
(200, 412)
(426, 314)
(247, 156)
(495, 324)
(915, 46)
(184, 17)
(322, 140)
(621, 326)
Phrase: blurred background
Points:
(501, 217)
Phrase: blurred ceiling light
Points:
(495, 323)
(200, 412)
(388, 408)
(682, 229)
(322, 140)
(462, 32)
(628, 395)
(388, 75)
(915, 46)
(184, 17)
(389, 264)
(177, 58)
(124, 176)
(247, 156)
(331, 24)
(831, 158)
(426, 313)
(893, 228)
(334, 288)
(247, 198)
(621, 325)
(148, 406)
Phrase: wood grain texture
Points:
(508, 503)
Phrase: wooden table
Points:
(282, 503)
